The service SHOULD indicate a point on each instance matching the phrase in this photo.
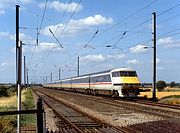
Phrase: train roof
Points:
(122, 69)
(101, 72)
(106, 71)
(97, 73)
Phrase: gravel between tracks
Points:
(119, 115)
(50, 117)
(116, 117)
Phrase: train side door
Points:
(116, 79)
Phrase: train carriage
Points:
(120, 82)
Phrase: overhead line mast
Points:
(154, 54)
(18, 69)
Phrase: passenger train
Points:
(120, 82)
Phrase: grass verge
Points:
(175, 100)
(8, 123)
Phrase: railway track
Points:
(168, 117)
(74, 120)
(152, 108)
(148, 102)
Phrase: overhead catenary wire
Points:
(69, 19)
(146, 41)
(92, 38)
(45, 7)
(131, 29)
(66, 8)
(166, 34)
(65, 25)
(126, 18)
(139, 26)
(169, 9)
(38, 32)
(63, 15)
(48, 52)
(133, 14)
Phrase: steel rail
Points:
(103, 124)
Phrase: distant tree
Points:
(172, 84)
(161, 85)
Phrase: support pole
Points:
(78, 68)
(43, 80)
(40, 120)
(25, 72)
(19, 85)
(27, 77)
(59, 73)
(17, 38)
(51, 77)
(18, 69)
(154, 54)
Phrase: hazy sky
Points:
(105, 34)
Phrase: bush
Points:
(7, 91)
(161, 85)
(3, 91)
(29, 101)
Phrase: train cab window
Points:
(132, 74)
(128, 73)
(123, 73)
(116, 74)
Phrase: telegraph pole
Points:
(17, 37)
(19, 84)
(154, 54)
(18, 68)
(25, 72)
(59, 73)
(43, 80)
(51, 76)
(78, 68)
(27, 77)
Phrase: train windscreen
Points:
(128, 74)
(124, 74)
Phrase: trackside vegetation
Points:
(8, 123)
(6, 91)
(175, 99)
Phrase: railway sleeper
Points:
(88, 125)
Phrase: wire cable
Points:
(132, 15)
(69, 19)
(38, 32)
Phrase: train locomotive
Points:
(120, 82)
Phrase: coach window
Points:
(107, 78)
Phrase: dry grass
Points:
(6, 125)
(168, 96)
(159, 95)
(11, 101)
(171, 100)
(172, 89)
